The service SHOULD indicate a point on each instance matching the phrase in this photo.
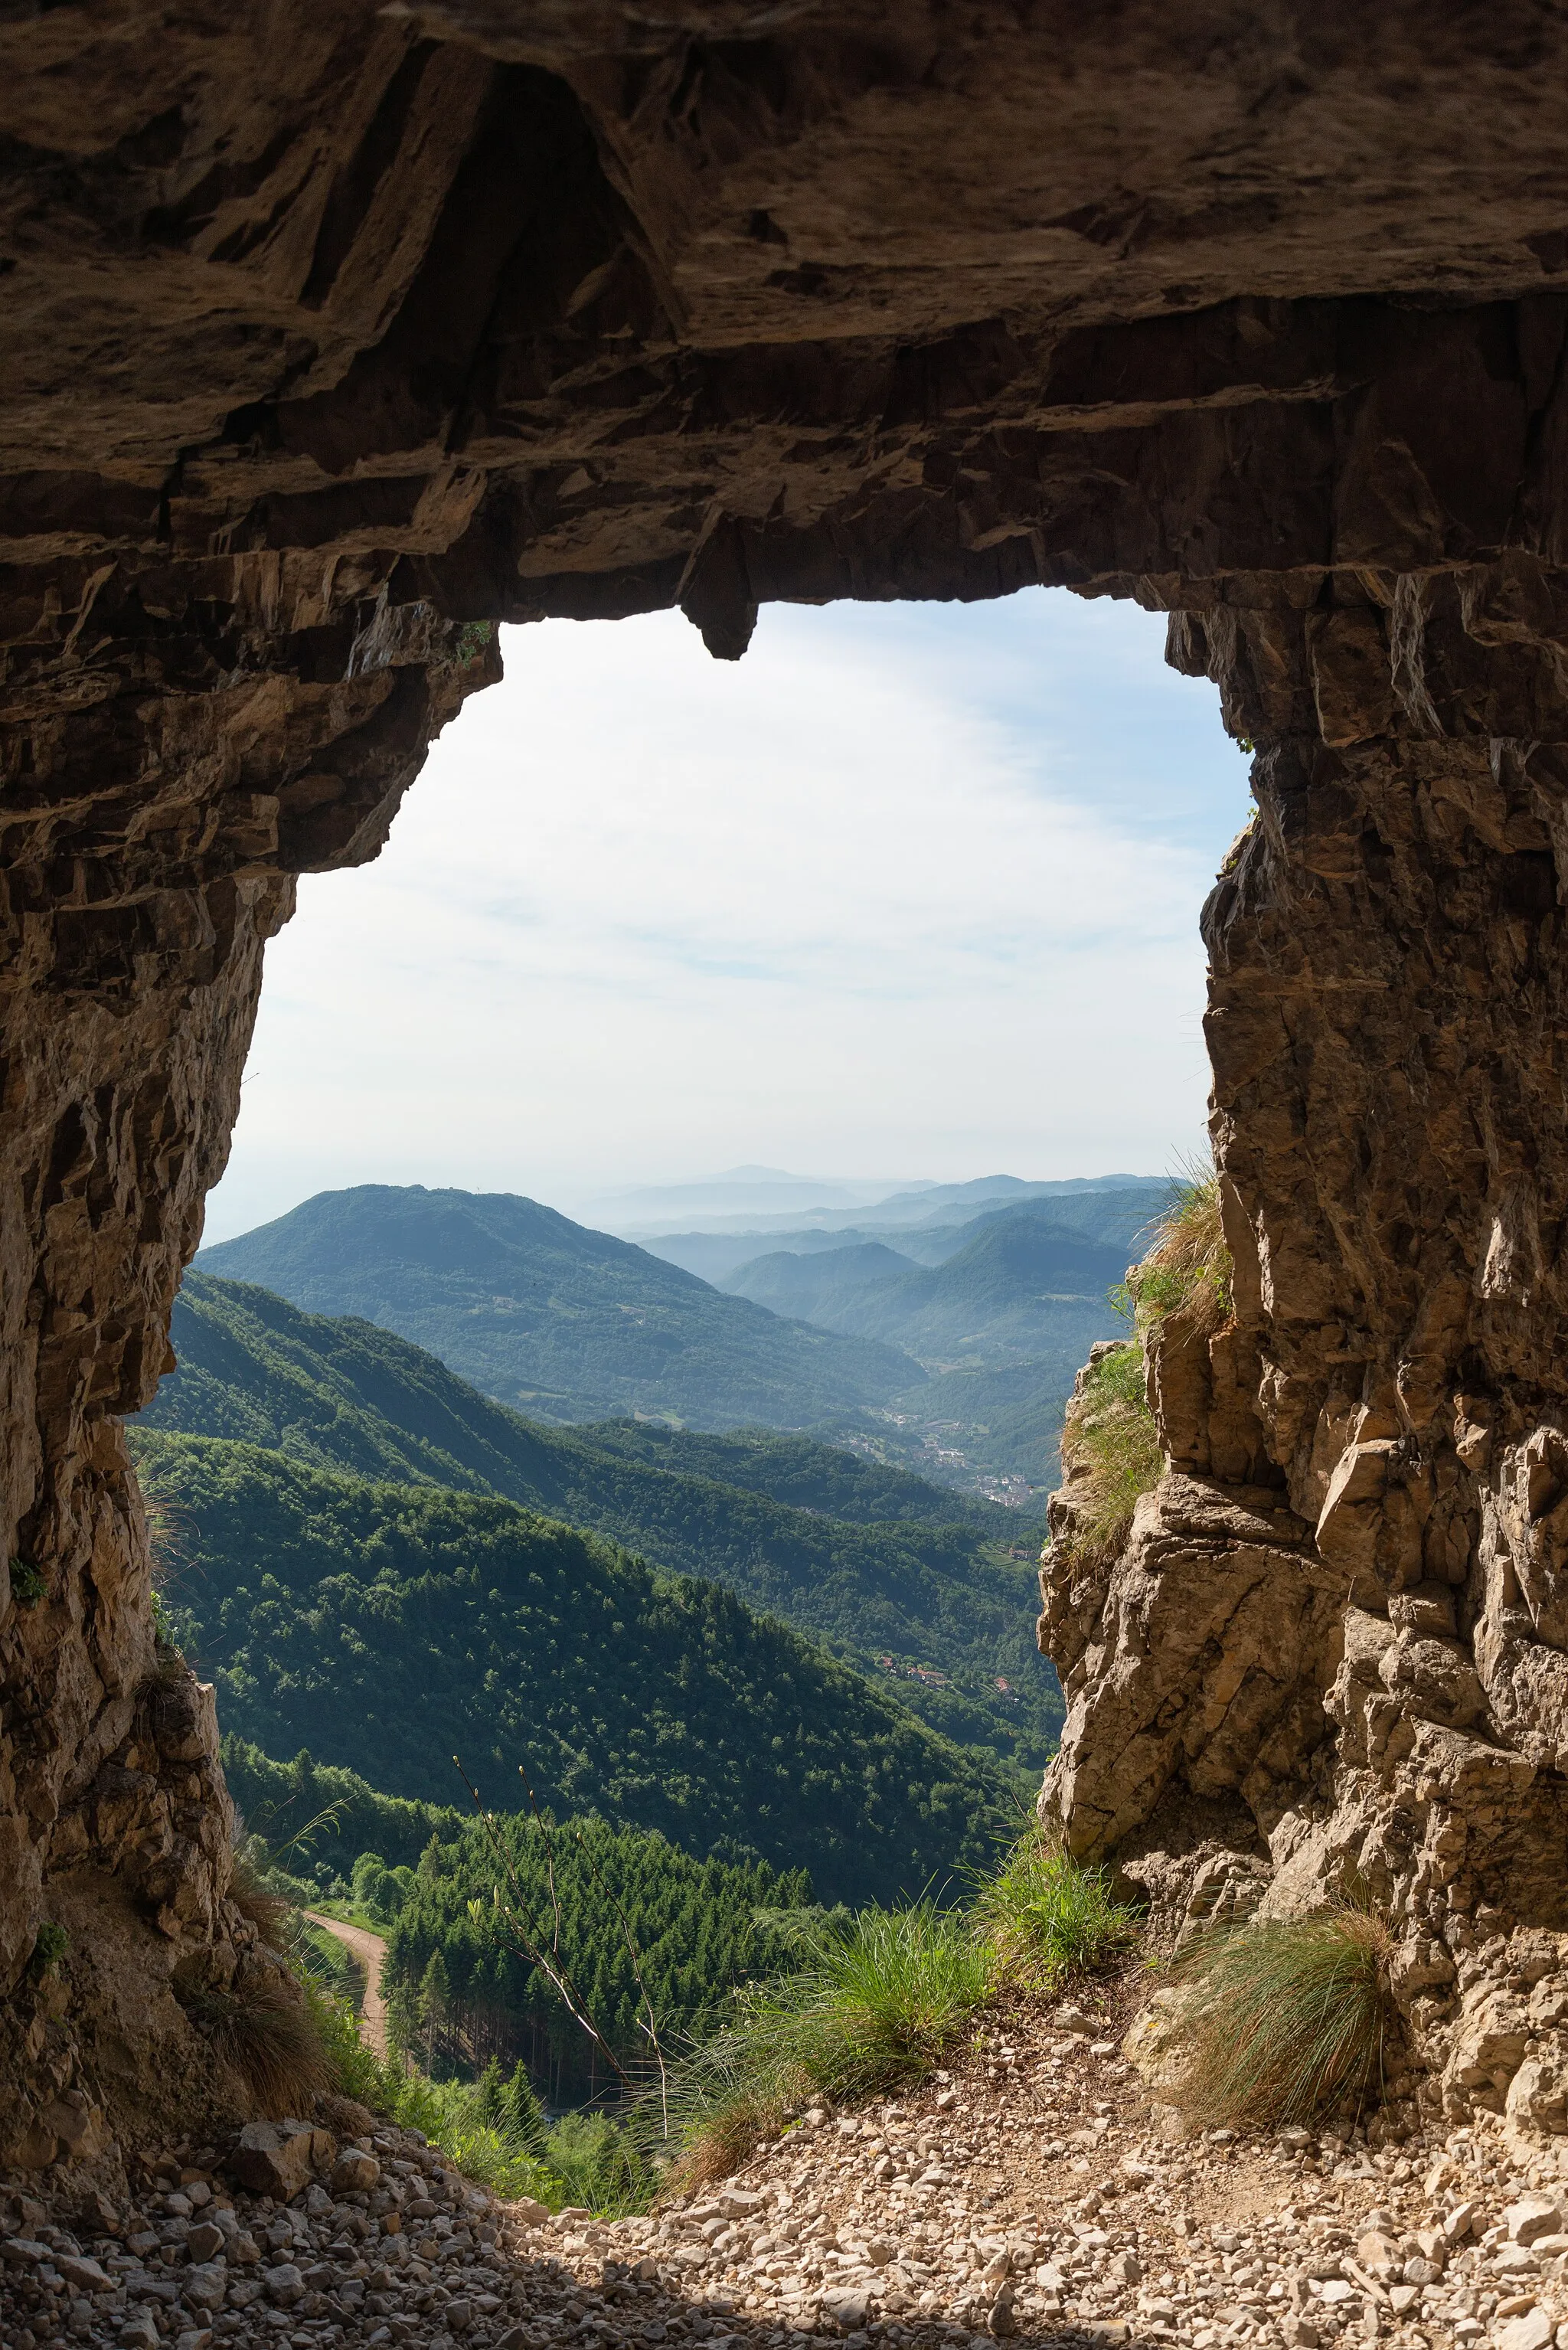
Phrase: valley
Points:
(873, 1561)
(938, 1331)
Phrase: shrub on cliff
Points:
(1047, 1919)
(1188, 1268)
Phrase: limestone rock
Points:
(277, 2158)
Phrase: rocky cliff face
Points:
(337, 334)
(1339, 1665)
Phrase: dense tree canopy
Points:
(389, 1627)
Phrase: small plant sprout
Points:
(28, 1584)
(49, 1947)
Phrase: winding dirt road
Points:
(369, 1949)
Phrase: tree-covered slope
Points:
(820, 1285)
(568, 1324)
(387, 1628)
(698, 1927)
(788, 1523)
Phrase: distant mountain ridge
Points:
(926, 1203)
(1114, 1218)
(553, 1319)
(1021, 1287)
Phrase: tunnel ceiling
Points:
(560, 309)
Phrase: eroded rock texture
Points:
(332, 335)
(1357, 1682)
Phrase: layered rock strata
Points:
(337, 335)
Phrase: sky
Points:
(910, 892)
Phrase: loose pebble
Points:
(1028, 2196)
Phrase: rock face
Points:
(336, 335)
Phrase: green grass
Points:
(1047, 1921)
(882, 1996)
(1280, 2021)
(879, 2001)
(1188, 1270)
(1111, 1447)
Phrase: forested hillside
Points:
(790, 1525)
(464, 1987)
(562, 1322)
(386, 1628)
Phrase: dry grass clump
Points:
(1110, 1448)
(1281, 2020)
(268, 1912)
(262, 2028)
(1047, 1919)
(1188, 1268)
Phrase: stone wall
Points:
(337, 334)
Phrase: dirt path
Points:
(369, 1949)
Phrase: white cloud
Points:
(899, 890)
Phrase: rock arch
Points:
(336, 338)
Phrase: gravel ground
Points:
(1022, 2194)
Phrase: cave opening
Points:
(347, 339)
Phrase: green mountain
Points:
(569, 1324)
(878, 1562)
(386, 1628)
(820, 1286)
(1020, 1287)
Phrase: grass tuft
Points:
(270, 1913)
(1188, 1268)
(879, 2001)
(1048, 1921)
(1110, 1450)
(266, 2030)
(1281, 2019)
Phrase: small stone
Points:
(1532, 2332)
(205, 2286)
(1531, 2216)
(283, 2284)
(86, 2275)
(355, 2172)
(204, 2241)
